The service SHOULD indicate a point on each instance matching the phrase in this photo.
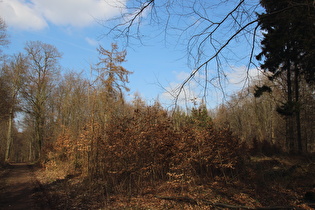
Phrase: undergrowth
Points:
(135, 156)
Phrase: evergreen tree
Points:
(200, 117)
(288, 47)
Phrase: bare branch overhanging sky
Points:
(162, 58)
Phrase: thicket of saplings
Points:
(132, 146)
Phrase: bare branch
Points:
(193, 73)
(3, 34)
(205, 35)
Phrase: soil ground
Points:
(18, 186)
(278, 182)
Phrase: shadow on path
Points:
(17, 187)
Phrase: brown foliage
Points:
(133, 148)
(143, 146)
(137, 147)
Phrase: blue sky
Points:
(71, 26)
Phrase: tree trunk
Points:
(30, 151)
(289, 118)
(297, 110)
(9, 135)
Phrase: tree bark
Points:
(9, 135)
(289, 118)
(297, 110)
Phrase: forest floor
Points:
(269, 182)
(278, 182)
(19, 188)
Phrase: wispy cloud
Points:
(240, 77)
(91, 41)
(194, 91)
(37, 14)
(185, 95)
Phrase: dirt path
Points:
(17, 188)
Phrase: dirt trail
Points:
(17, 188)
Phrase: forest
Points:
(95, 149)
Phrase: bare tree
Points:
(5, 103)
(14, 75)
(207, 30)
(3, 34)
(216, 35)
(42, 73)
(71, 101)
